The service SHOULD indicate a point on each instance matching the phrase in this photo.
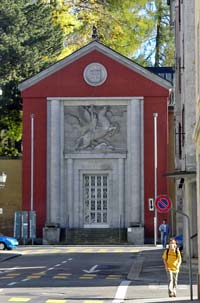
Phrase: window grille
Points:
(95, 199)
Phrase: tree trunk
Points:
(158, 31)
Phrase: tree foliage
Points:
(164, 45)
(35, 33)
(158, 48)
(139, 29)
(122, 25)
(29, 41)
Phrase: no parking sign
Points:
(163, 204)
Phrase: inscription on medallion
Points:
(95, 74)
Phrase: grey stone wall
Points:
(95, 137)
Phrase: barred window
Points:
(95, 199)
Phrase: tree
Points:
(122, 25)
(35, 33)
(29, 41)
(164, 46)
(158, 49)
(139, 29)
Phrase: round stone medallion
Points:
(95, 74)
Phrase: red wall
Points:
(38, 107)
(68, 82)
(154, 105)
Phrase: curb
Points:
(8, 257)
(136, 268)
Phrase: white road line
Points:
(158, 286)
(167, 300)
(12, 283)
(182, 286)
(121, 292)
(58, 265)
(64, 262)
(51, 268)
(18, 268)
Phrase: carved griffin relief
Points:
(93, 127)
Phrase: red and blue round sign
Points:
(163, 203)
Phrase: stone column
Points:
(70, 191)
(135, 165)
(54, 148)
(121, 191)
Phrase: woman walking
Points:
(172, 260)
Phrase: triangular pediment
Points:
(94, 45)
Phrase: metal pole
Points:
(155, 116)
(189, 246)
(32, 160)
(32, 172)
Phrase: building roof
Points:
(95, 45)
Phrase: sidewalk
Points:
(148, 269)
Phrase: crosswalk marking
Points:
(88, 250)
(87, 276)
(57, 251)
(27, 251)
(61, 276)
(17, 299)
(34, 277)
(71, 250)
(102, 250)
(56, 301)
(81, 250)
(40, 251)
(64, 274)
(113, 277)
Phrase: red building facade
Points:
(88, 128)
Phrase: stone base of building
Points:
(51, 235)
(55, 235)
(135, 235)
(94, 236)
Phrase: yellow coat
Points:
(173, 259)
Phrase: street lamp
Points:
(3, 177)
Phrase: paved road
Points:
(66, 274)
(87, 275)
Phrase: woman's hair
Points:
(172, 239)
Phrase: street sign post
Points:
(163, 204)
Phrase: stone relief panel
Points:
(95, 128)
